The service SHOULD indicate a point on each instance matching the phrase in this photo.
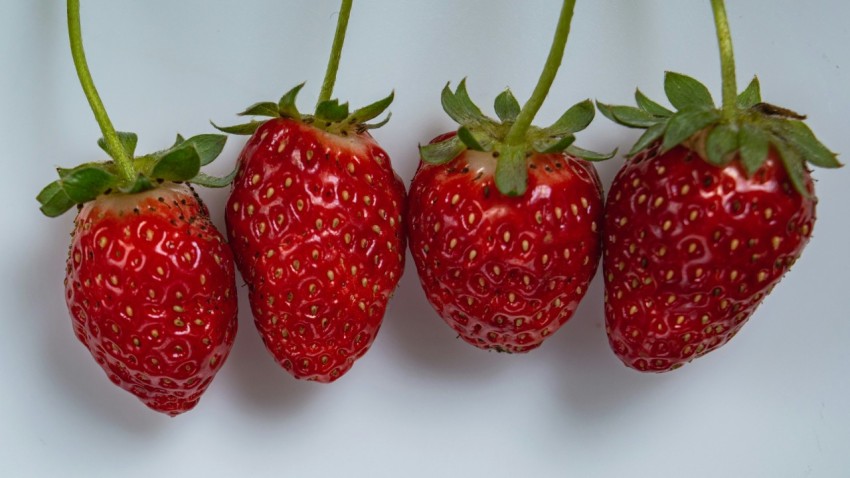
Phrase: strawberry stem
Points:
(110, 137)
(336, 51)
(727, 59)
(516, 134)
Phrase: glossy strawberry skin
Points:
(505, 272)
(692, 249)
(150, 286)
(315, 221)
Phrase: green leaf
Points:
(685, 124)
(203, 179)
(553, 145)
(286, 105)
(179, 140)
(589, 155)
(266, 108)
(53, 199)
(575, 119)
(722, 140)
(649, 137)
(85, 183)
(511, 171)
(750, 96)
(507, 107)
(181, 164)
(753, 147)
(460, 107)
(803, 139)
(469, 139)
(685, 92)
(628, 116)
(794, 165)
(650, 106)
(332, 111)
(442, 152)
(209, 146)
(371, 111)
(128, 141)
(243, 129)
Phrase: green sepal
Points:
(242, 129)
(54, 200)
(553, 145)
(442, 152)
(794, 164)
(511, 175)
(331, 111)
(575, 119)
(179, 164)
(751, 96)
(753, 147)
(379, 124)
(650, 106)
(469, 139)
(507, 107)
(650, 136)
(685, 123)
(627, 115)
(372, 111)
(203, 179)
(588, 155)
(803, 139)
(209, 146)
(685, 92)
(460, 107)
(721, 143)
(76, 186)
(142, 183)
(286, 104)
(266, 108)
(128, 142)
(179, 140)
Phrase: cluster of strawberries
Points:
(506, 223)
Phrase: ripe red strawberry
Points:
(315, 221)
(706, 216)
(505, 217)
(149, 280)
(503, 271)
(150, 286)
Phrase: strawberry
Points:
(505, 218)
(150, 286)
(149, 280)
(710, 210)
(315, 219)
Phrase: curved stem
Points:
(336, 51)
(550, 69)
(113, 143)
(727, 59)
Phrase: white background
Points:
(772, 403)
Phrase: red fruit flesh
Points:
(505, 272)
(315, 221)
(150, 286)
(692, 249)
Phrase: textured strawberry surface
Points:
(150, 286)
(692, 249)
(315, 221)
(505, 272)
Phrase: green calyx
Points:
(181, 162)
(331, 115)
(478, 132)
(720, 137)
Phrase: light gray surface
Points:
(772, 403)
